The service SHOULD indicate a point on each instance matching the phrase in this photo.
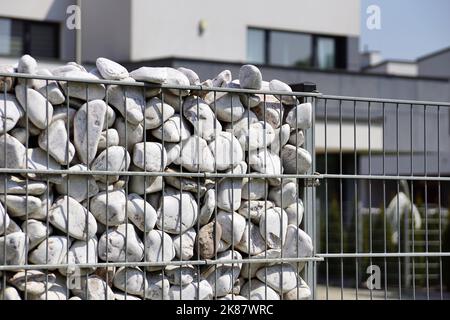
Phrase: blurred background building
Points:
(294, 41)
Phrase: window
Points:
(39, 39)
(256, 46)
(290, 49)
(295, 49)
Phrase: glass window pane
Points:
(5, 36)
(290, 49)
(43, 40)
(325, 53)
(256, 46)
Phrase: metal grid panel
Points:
(337, 269)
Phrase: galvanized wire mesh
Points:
(359, 150)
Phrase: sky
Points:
(409, 28)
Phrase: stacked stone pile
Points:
(54, 218)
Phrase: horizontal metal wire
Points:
(163, 86)
(380, 100)
(159, 264)
(384, 255)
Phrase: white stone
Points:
(295, 212)
(255, 243)
(222, 79)
(257, 290)
(21, 134)
(121, 244)
(284, 195)
(133, 133)
(191, 75)
(265, 161)
(34, 282)
(298, 244)
(9, 293)
(39, 160)
(174, 129)
(300, 292)
(196, 156)
(156, 113)
(273, 226)
(15, 153)
(282, 135)
(202, 118)
(145, 184)
(233, 226)
(36, 230)
(232, 297)
(208, 207)
(184, 244)
(297, 138)
(256, 209)
(250, 77)
(19, 205)
(277, 85)
(6, 83)
(81, 252)
(300, 117)
(62, 113)
(150, 156)
(162, 75)
(226, 150)
(52, 250)
(254, 189)
(67, 212)
(129, 101)
(94, 288)
(88, 127)
(249, 270)
(159, 246)
(10, 112)
(173, 151)
(281, 277)
(4, 220)
(228, 107)
(77, 187)
(270, 112)
(81, 90)
(180, 275)
(141, 213)
(111, 159)
(108, 207)
(48, 88)
(295, 159)
(111, 70)
(259, 135)
(229, 190)
(108, 139)
(16, 251)
(194, 291)
(130, 280)
(27, 64)
(59, 146)
(70, 66)
(177, 211)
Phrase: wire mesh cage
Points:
(130, 190)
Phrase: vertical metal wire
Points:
(341, 213)
(399, 234)
(326, 200)
(439, 199)
(5, 181)
(384, 202)
(355, 182)
(369, 122)
(412, 203)
(425, 165)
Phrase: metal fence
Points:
(373, 199)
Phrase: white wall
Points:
(43, 10)
(170, 28)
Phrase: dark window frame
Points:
(26, 36)
(340, 47)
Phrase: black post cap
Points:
(304, 87)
